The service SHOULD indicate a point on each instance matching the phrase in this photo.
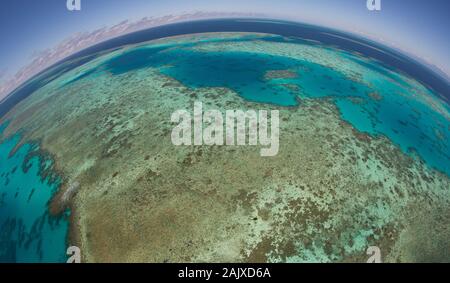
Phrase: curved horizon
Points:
(97, 47)
(65, 33)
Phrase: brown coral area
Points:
(280, 74)
(375, 96)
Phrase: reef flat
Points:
(346, 176)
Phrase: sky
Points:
(418, 27)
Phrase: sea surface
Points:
(27, 232)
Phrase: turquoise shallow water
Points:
(412, 125)
(27, 232)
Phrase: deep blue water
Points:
(27, 232)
